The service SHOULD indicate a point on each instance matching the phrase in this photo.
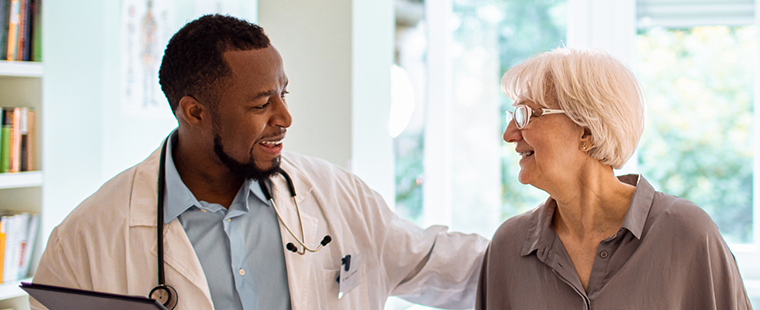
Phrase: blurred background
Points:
(405, 94)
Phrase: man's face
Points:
(252, 116)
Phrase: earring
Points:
(583, 146)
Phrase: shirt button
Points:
(228, 220)
(204, 211)
(242, 272)
(604, 254)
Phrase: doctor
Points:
(323, 241)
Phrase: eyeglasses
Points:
(522, 114)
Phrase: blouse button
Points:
(242, 272)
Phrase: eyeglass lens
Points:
(521, 116)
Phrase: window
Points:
(698, 143)
(452, 167)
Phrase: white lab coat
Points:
(108, 243)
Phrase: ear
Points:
(193, 112)
(587, 138)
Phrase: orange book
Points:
(2, 245)
(13, 29)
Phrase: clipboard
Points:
(64, 298)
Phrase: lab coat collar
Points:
(178, 251)
(299, 266)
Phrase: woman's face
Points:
(550, 147)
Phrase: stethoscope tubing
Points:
(172, 296)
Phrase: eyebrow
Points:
(268, 93)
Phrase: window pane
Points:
(698, 143)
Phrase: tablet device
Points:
(64, 298)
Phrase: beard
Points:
(244, 170)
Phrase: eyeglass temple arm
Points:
(545, 111)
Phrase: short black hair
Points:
(193, 62)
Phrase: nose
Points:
(281, 116)
(512, 134)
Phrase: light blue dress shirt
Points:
(240, 248)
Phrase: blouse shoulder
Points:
(680, 218)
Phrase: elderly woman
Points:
(599, 241)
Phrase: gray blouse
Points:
(667, 254)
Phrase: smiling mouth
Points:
(526, 154)
(271, 143)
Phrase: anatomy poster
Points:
(146, 27)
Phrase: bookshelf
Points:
(20, 180)
(21, 86)
(15, 69)
(12, 290)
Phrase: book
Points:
(23, 129)
(28, 248)
(15, 149)
(36, 30)
(5, 7)
(9, 223)
(24, 30)
(2, 247)
(13, 23)
(29, 154)
(5, 140)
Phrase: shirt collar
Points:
(541, 235)
(177, 198)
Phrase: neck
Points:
(592, 205)
(204, 175)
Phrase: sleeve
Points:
(727, 287)
(54, 268)
(432, 266)
(481, 300)
(712, 277)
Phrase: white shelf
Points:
(20, 179)
(12, 290)
(20, 69)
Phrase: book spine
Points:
(13, 21)
(11, 247)
(24, 143)
(4, 14)
(31, 237)
(15, 160)
(37, 31)
(5, 140)
(22, 50)
(23, 242)
(30, 136)
(3, 229)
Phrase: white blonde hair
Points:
(595, 90)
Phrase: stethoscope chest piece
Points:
(166, 295)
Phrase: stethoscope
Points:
(166, 294)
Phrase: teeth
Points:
(271, 142)
(526, 154)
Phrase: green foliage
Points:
(698, 143)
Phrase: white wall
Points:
(337, 56)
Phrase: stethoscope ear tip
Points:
(326, 240)
(291, 247)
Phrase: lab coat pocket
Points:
(355, 298)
